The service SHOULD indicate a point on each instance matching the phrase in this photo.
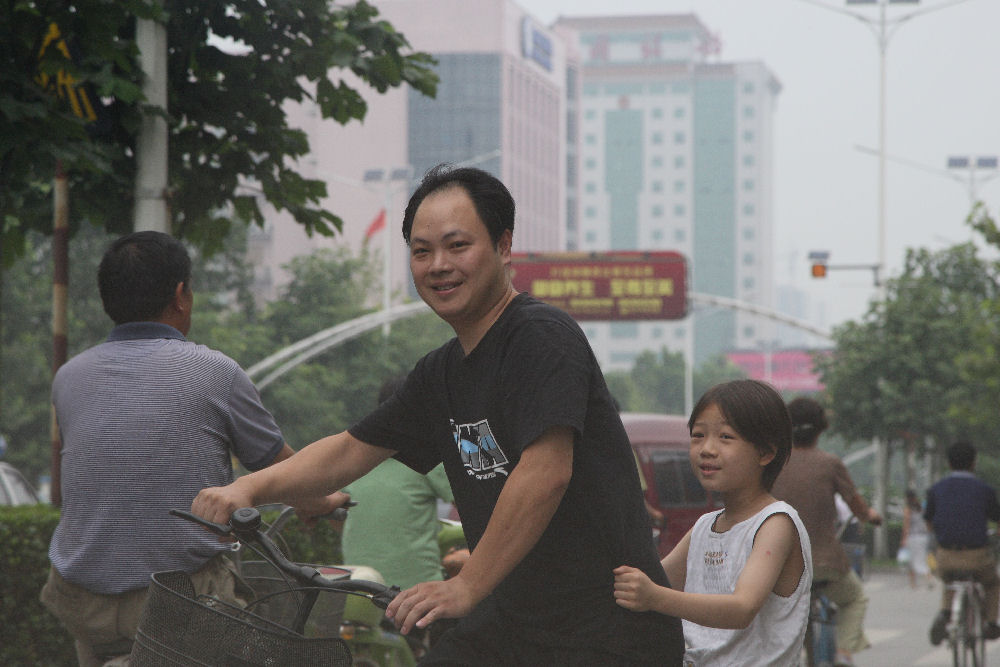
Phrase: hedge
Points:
(30, 635)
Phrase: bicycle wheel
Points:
(977, 638)
(956, 634)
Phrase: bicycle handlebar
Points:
(244, 525)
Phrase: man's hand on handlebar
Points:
(217, 503)
(431, 601)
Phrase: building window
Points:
(748, 136)
(657, 112)
(657, 186)
(748, 283)
(591, 237)
(656, 211)
(679, 138)
(590, 187)
(590, 114)
(591, 139)
(679, 210)
(748, 87)
(748, 259)
(748, 332)
(748, 112)
(748, 160)
(679, 112)
(748, 184)
(590, 163)
(657, 138)
(657, 235)
(749, 209)
(749, 233)
(624, 330)
(679, 161)
(678, 186)
(680, 235)
(590, 212)
(656, 161)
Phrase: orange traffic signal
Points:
(818, 270)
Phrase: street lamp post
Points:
(981, 169)
(883, 28)
(982, 163)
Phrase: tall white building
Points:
(675, 153)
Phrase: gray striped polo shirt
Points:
(147, 420)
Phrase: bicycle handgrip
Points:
(217, 528)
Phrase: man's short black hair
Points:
(493, 201)
(961, 456)
(139, 274)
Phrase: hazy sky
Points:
(943, 98)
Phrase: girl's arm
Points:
(907, 511)
(675, 563)
(775, 545)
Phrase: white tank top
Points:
(714, 563)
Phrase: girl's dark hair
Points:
(808, 420)
(758, 413)
(493, 201)
(139, 274)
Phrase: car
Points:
(661, 444)
(14, 488)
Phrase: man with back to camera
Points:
(959, 506)
(541, 468)
(146, 420)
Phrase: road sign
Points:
(81, 98)
(606, 285)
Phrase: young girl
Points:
(740, 578)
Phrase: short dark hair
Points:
(808, 420)
(493, 201)
(757, 412)
(139, 274)
(961, 456)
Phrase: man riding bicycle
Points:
(958, 508)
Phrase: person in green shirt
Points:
(394, 526)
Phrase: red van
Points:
(661, 443)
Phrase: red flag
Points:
(376, 225)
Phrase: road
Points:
(897, 623)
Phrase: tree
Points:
(895, 374)
(229, 137)
(656, 381)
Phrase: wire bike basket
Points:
(179, 627)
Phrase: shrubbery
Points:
(30, 635)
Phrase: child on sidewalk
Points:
(741, 576)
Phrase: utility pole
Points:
(150, 211)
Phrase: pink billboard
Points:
(788, 371)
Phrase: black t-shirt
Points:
(531, 371)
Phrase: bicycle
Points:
(966, 627)
(821, 628)
(279, 627)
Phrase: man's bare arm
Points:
(305, 480)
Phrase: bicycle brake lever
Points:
(383, 599)
(217, 528)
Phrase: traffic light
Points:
(817, 260)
